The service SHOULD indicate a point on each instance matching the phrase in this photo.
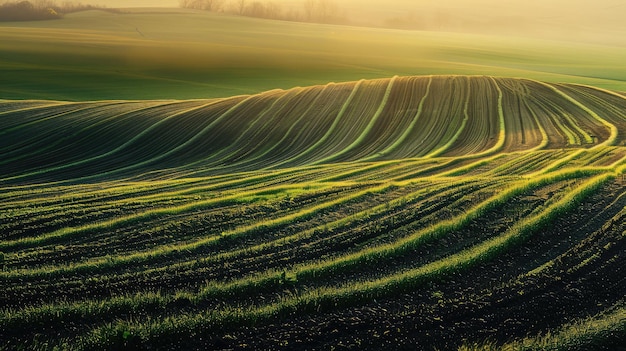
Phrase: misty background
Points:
(600, 21)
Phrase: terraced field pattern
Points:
(423, 212)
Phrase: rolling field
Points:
(184, 54)
(448, 212)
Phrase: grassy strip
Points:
(65, 233)
(601, 332)
(501, 124)
(112, 152)
(544, 135)
(614, 132)
(497, 147)
(273, 279)
(156, 189)
(332, 128)
(54, 271)
(409, 129)
(558, 164)
(177, 148)
(459, 171)
(572, 137)
(326, 298)
(288, 133)
(264, 225)
(456, 135)
(441, 229)
(525, 162)
(367, 129)
(363, 168)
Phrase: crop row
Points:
(398, 118)
(439, 209)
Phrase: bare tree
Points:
(273, 10)
(309, 9)
(43, 4)
(213, 5)
(240, 6)
(325, 11)
(256, 9)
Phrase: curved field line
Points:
(362, 168)
(67, 104)
(287, 134)
(331, 129)
(109, 153)
(191, 187)
(489, 152)
(610, 92)
(175, 149)
(329, 297)
(544, 135)
(524, 163)
(615, 109)
(215, 183)
(79, 194)
(395, 172)
(456, 135)
(336, 224)
(443, 163)
(367, 129)
(502, 135)
(609, 142)
(234, 145)
(396, 248)
(47, 103)
(572, 138)
(74, 231)
(408, 130)
(570, 126)
(60, 114)
(294, 139)
(617, 163)
(202, 242)
(614, 131)
(542, 145)
(577, 131)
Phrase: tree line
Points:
(36, 10)
(319, 11)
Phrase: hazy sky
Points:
(597, 20)
(565, 5)
(132, 3)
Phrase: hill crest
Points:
(368, 120)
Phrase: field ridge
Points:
(448, 212)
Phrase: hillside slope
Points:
(413, 213)
(375, 120)
(186, 54)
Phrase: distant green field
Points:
(176, 54)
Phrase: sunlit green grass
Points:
(184, 54)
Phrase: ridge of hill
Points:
(368, 120)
